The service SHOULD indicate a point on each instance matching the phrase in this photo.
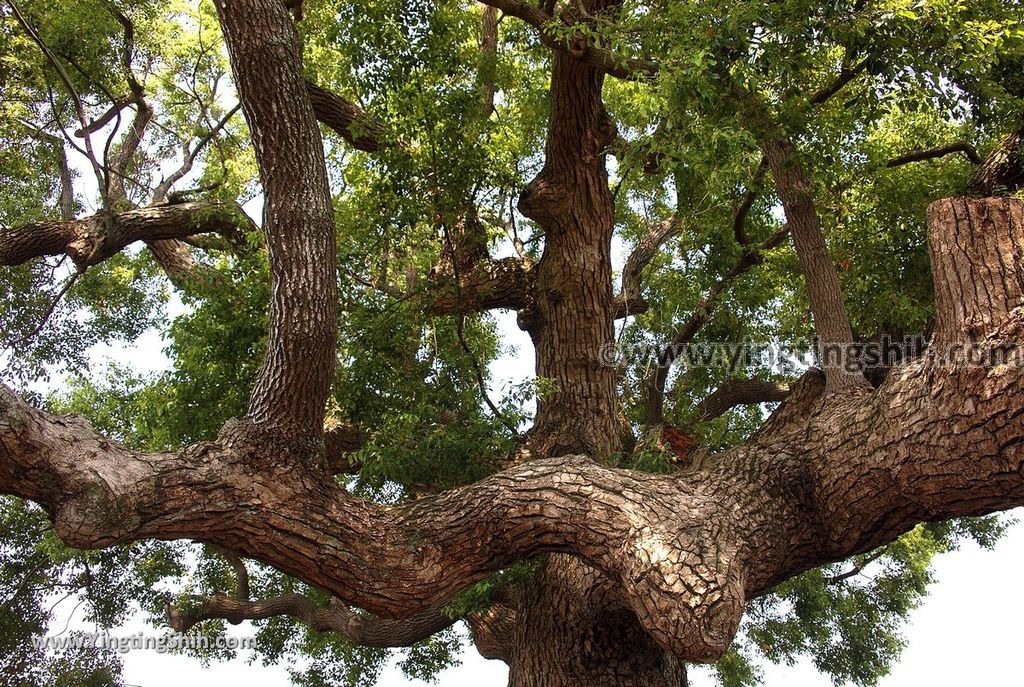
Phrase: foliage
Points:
(934, 72)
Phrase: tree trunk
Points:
(570, 627)
(571, 318)
(572, 630)
(287, 403)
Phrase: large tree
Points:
(768, 172)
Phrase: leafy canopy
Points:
(932, 72)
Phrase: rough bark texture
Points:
(571, 318)
(294, 382)
(831, 321)
(1002, 171)
(978, 259)
(641, 572)
(739, 392)
(572, 629)
(347, 119)
(828, 476)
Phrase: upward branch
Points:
(831, 321)
(295, 379)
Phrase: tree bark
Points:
(831, 321)
(571, 319)
(824, 479)
(92, 239)
(291, 389)
(572, 630)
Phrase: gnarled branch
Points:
(358, 628)
(93, 239)
(630, 299)
(737, 392)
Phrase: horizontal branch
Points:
(93, 239)
(490, 284)
(826, 478)
(941, 151)
(838, 481)
(737, 392)
(357, 628)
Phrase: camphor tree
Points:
(325, 454)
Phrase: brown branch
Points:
(66, 200)
(347, 119)
(846, 75)
(341, 439)
(92, 239)
(739, 392)
(857, 569)
(241, 572)
(488, 44)
(740, 213)
(504, 284)
(104, 119)
(941, 151)
(1002, 171)
(49, 311)
(358, 628)
(124, 153)
(630, 299)
(831, 320)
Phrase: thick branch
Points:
(737, 392)
(295, 379)
(847, 74)
(819, 483)
(831, 320)
(120, 161)
(93, 239)
(488, 43)
(341, 439)
(347, 119)
(1002, 172)
(631, 296)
